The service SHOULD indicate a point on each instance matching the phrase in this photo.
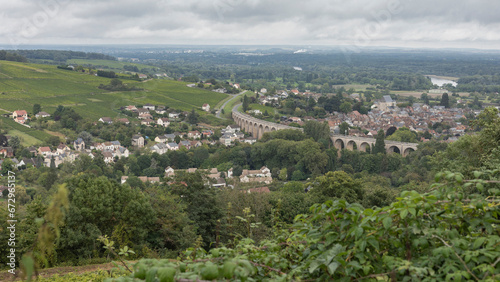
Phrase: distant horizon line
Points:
(145, 45)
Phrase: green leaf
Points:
(480, 187)
(358, 232)
(362, 245)
(387, 222)
(313, 266)
(403, 214)
(478, 242)
(412, 211)
(332, 267)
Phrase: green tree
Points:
(283, 175)
(403, 134)
(425, 98)
(246, 104)
(172, 229)
(122, 213)
(37, 108)
(177, 139)
(339, 185)
(346, 107)
(192, 117)
(53, 141)
(14, 142)
(445, 100)
(200, 202)
(317, 130)
(7, 165)
(344, 128)
(116, 82)
(379, 143)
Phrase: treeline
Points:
(394, 71)
(117, 85)
(109, 74)
(479, 83)
(62, 56)
(9, 56)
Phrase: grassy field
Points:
(30, 136)
(263, 108)
(22, 85)
(26, 139)
(229, 107)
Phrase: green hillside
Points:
(22, 85)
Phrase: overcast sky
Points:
(405, 23)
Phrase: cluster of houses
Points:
(167, 142)
(384, 114)
(21, 116)
(233, 133)
(214, 177)
(262, 175)
(417, 118)
(145, 116)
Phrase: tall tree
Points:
(425, 98)
(445, 100)
(192, 117)
(379, 143)
(246, 103)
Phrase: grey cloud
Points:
(397, 22)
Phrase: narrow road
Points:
(225, 103)
(235, 108)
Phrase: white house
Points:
(206, 107)
(194, 134)
(106, 120)
(138, 141)
(149, 107)
(42, 115)
(159, 148)
(172, 146)
(108, 157)
(165, 122)
(260, 175)
(169, 172)
(160, 110)
(161, 139)
(122, 152)
(173, 115)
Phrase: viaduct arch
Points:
(256, 126)
(362, 144)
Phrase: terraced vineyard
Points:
(22, 85)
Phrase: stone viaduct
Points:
(257, 127)
(362, 143)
